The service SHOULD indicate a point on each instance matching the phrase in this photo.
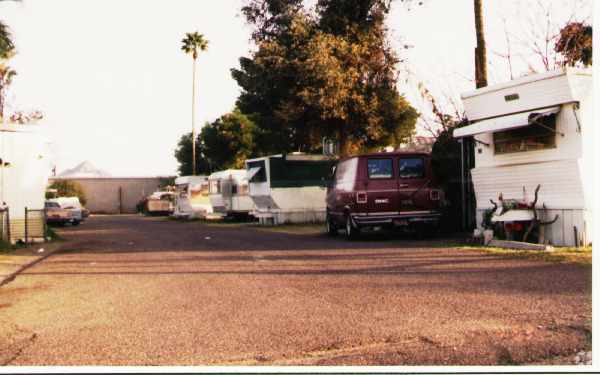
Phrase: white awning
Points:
(252, 172)
(518, 120)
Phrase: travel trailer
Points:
(160, 203)
(384, 190)
(536, 130)
(289, 188)
(228, 192)
(25, 165)
(191, 197)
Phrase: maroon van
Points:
(392, 189)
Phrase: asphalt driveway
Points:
(130, 290)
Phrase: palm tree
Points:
(480, 50)
(7, 50)
(192, 44)
(6, 44)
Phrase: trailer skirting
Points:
(562, 232)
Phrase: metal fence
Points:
(5, 224)
(29, 228)
(35, 224)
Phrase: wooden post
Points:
(45, 224)
(120, 200)
(26, 226)
(8, 223)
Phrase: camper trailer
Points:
(289, 188)
(159, 203)
(229, 193)
(191, 197)
(535, 130)
(25, 165)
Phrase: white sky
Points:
(115, 87)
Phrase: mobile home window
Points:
(243, 189)
(261, 175)
(411, 168)
(214, 186)
(540, 135)
(380, 168)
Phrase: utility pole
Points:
(480, 50)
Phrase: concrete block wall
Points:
(114, 195)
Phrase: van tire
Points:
(351, 231)
(332, 229)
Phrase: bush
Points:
(66, 188)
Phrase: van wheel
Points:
(421, 232)
(331, 227)
(350, 230)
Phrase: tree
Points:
(66, 188)
(225, 143)
(191, 44)
(7, 50)
(229, 141)
(183, 154)
(575, 44)
(322, 75)
(6, 44)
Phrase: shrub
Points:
(66, 188)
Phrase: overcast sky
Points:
(115, 87)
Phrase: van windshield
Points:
(411, 168)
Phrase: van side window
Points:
(380, 168)
(411, 168)
(345, 174)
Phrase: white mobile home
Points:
(229, 193)
(289, 188)
(25, 165)
(536, 130)
(191, 197)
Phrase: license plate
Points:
(400, 222)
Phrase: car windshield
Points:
(52, 205)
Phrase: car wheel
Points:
(350, 230)
(331, 227)
(76, 222)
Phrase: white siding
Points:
(560, 233)
(538, 94)
(589, 134)
(560, 182)
(534, 92)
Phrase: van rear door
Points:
(413, 184)
(381, 185)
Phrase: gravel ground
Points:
(130, 290)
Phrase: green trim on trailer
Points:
(299, 173)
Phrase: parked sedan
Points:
(55, 214)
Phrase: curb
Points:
(10, 277)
